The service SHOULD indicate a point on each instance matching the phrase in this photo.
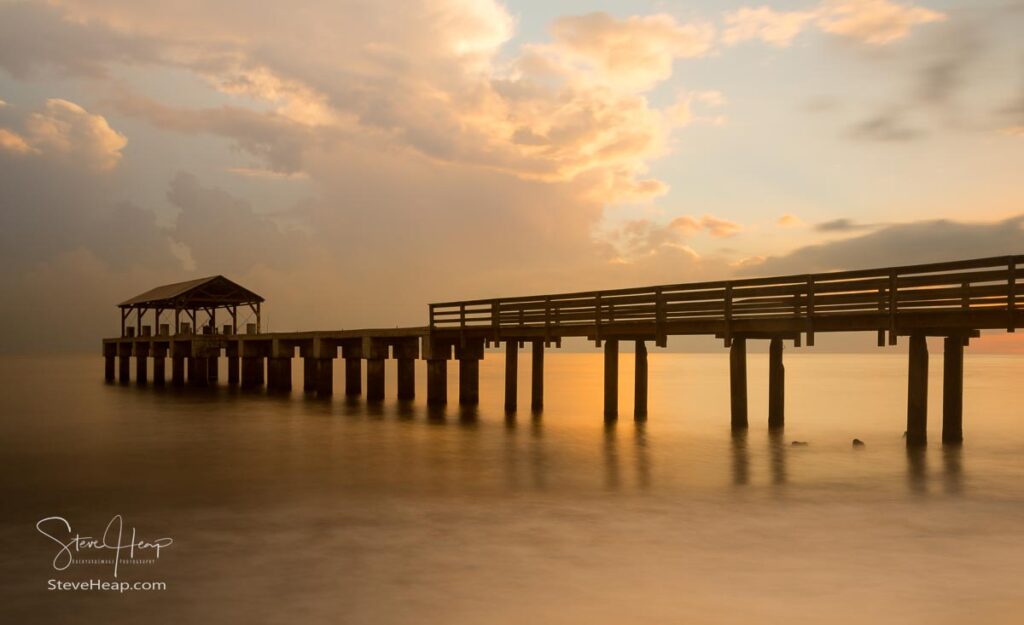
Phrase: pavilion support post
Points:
(124, 354)
(640, 382)
(537, 376)
(141, 363)
(917, 392)
(159, 355)
(953, 391)
(353, 376)
(611, 378)
(776, 385)
(738, 382)
(511, 374)
(375, 379)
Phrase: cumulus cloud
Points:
(873, 22)
(789, 220)
(64, 130)
(632, 53)
(643, 237)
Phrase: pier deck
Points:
(954, 300)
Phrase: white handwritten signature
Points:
(112, 540)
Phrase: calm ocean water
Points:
(293, 510)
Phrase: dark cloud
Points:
(887, 127)
(36, 36)
(844, 224)
(903, 244)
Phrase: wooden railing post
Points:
(810, 311)
(660, 337)
(892, 308)
(1011, 295)
(881, 312)
(547, 320)
(597, 320)
(728, 314)
(432, 306)
(496, 318)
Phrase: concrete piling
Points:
(611, 379)
(353, 376)
(953, 391)
(511, 374)
(406, 378)
(159, 355)
(640, 382)
(776, 385)
(917, 392)
(738, 382)
(537, 376)
(374, 379)
(437, 382)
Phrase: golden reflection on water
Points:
(395, 513)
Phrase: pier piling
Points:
(374, 379)
(353, 376)
(437, 382)
(537, 376)
(640, 383)
(511, 374)
(917, 392)
(611, 379)
(141, 363)
(159, 354)
(776, 385)
(123, 363)
(953, 391)
(738, 382)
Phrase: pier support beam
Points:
(511, 374)
(141, 363)
(469, 352)
(109, 361)
(406, 378)
(159, 354)
(640, 383)
(213, 368)
(537, 376)
(323, 371)
(309, 374)
(738, 382)
(198, 371)
(177, 365)
(776, 386)
(611, 379)
(917, 392)
(953, 391)
(353, 376)
(250, 376)
(279, 373)
(437, 382)
(374, 379)
(469, 381)
(232, 355)
(124, 354)
(406, 352)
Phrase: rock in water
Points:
(858, 443)
(799, 443)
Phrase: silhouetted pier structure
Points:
(953, 300)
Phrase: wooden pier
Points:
(953, 300)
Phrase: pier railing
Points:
(980, 284)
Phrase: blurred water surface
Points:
(295, 510)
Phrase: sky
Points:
(353, 160)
